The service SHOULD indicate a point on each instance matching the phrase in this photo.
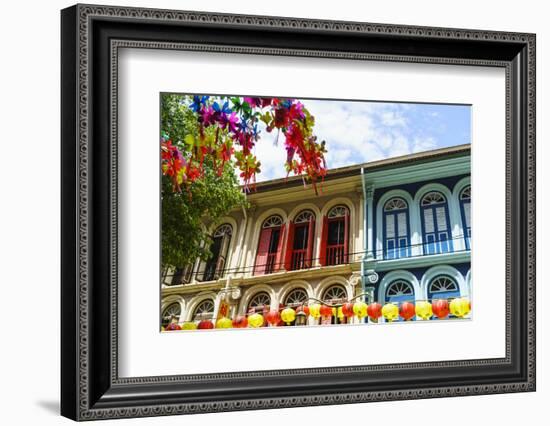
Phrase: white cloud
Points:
(355, 132)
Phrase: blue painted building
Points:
(418, 229)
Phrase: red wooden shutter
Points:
(346, 237)
(263, 251)
(289, 246)
(324, 238)
(310, 240)
(279, 258)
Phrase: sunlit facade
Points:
(389, 231)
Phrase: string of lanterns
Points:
(423, 309)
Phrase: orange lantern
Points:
(240, 322)
(374, 311)
(273, 318)
(205, 325)
(406, 310)
(326, 311)
(347, 310)
(440, 308)
(173, 326)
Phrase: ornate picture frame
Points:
(91, 38)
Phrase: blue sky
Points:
(358, 132)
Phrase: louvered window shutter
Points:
(263, 251)
(346, 238)
(310, 240)
(323, 248)
(279, 258)
(289, 246)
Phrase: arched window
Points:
(443, 287)
(335, 294)
(204, 310)
(436, 230)
(301, 233)
(335, 237)
(259, 303)
(172, 311)
(215, 266)
(465, 198)
(396, 229)
(296, 297)
(400, 291)
(182, 275)
(269, 254)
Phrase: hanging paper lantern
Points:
(460, 307)
(173, 326)
(390, 311)
(360, 309)
(224, 322)
(347, 310)
(440, 308)
(240, 322)
(205, 325)
(189, 326)
(406, 310)
(288, 315)
(315, 310)
(374, 310)
(255, 320)
(340, 313)
(424, 309)
(326, 311)
(273, 318)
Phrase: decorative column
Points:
(369, 223)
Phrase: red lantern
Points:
(240, 322)
(306, 310)
(407, 310)
(273, 318)
(347, 310)
(205, 325)
(173, 326)
(440, 308)
(374, 310)
(326, 311)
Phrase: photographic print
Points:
(280, 212)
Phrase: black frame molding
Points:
(91, 37)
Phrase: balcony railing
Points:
(336, 255)
(299, 260)
(213, 270)
(270, 263)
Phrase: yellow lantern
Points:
(189, 326)
(224, 322)
(340, 313)
(460, 307)
(315, 310)
(255, 320)
(390, 311)
(360, 309)
(423, 309)
(288, 315)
